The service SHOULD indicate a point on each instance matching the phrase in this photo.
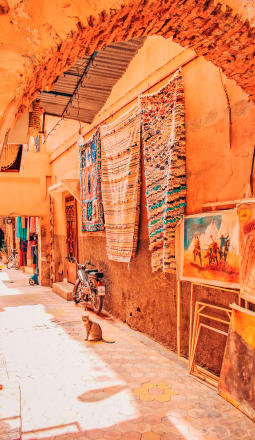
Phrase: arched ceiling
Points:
(40, 39)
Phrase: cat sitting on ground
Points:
(93, 330)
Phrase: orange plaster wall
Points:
(66, 167)
(25, 193)
(215, 171)
(40, 39)
(146, 300)
(153, 56)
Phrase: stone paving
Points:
(57, 386)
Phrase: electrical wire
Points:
(75, 92)
(229, 110)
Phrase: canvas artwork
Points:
(246, 216)
(210, 249)
(236, 382)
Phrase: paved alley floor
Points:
(57, 386)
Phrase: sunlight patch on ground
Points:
(54, 431)
(4, 276)
(58, 371)
(186, 429)
(7, 283)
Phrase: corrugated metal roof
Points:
(106, 68)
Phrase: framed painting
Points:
(246, 215)
(236, 383)
(210, 248)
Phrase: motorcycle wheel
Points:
(77, 293)
(96, 302)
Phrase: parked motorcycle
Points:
(89, 285)
(13, 260)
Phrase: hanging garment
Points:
(23, 253)
(92, 214)
(120, 142)
(19, 227)
(34, 253)
(23, 235)
(32, 229)
(29, 253)
(37, 225)
(163, 133)
(27, 228)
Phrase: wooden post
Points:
(193, 333)
(52, 260)
(178, 318)
(190, 317)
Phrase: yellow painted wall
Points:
(25, 193)
(216, 171)
(66, 167)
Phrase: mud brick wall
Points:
(212, 30)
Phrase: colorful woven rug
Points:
(120, 142)
(163, 132)
(92, 214)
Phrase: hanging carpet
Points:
(92, 215)
(163, 133)
(8, 156)
(120, 142)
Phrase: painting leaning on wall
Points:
(210, 248)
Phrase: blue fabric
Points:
(19, 229)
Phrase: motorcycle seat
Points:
(97, 274)
(90, 270)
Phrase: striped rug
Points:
(163, 133)
(92, 213)
(120, 143)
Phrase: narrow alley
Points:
(57, 386)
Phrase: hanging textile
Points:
(35, 118)
(23, 234)
(19, 227)
(120, 143)
(23, 252)
(29, 253)
(8, 156)
(163, 133)
(37, 225)
(32, 229)
(92, 214)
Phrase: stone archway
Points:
(59, 33)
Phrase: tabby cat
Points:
(93, 330)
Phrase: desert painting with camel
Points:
(210, 249)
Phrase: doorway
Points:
(71, 237)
